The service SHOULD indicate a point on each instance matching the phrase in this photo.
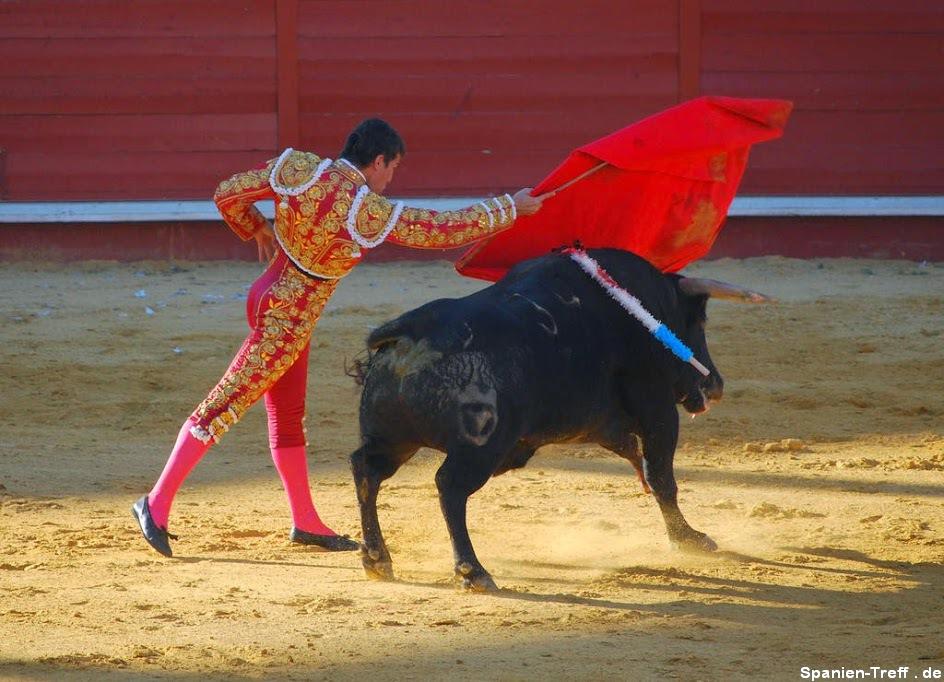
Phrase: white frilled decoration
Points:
(351, 222)
(286, 192)
(632, 305)
(361, 240)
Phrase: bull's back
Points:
(526, 355)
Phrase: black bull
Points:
(543, 356)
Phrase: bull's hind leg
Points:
(465, 470)
(371, 464)
(659, 440)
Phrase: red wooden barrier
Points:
(910, 238)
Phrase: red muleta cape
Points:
(664, 195)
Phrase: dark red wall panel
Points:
(123, 242)
(420, 20)
(148, 156)
(93, 134)
(89, 19)
(102, 175)
(109, 99)
(835, 16)
(490, 96)
(134, 100)
(911, 238)
(866, 80)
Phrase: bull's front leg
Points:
(617, 437)
(463, 473)
(659, 439)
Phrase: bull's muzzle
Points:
(695, 402)
(699, 399)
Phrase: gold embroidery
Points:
(423, 228)
(312, 227)
(235, 197)
(292, 307)
(297, 169)
(348, 172)
(244, 182)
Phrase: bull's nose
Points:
(698, 411)
(695, 403)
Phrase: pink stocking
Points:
(285, 408)
(293, 469)
(187, 451)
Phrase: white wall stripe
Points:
(185, 211)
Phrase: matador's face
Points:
(379, 174)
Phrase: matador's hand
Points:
(525, 204)
(265, 242)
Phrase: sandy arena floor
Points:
(820, 475)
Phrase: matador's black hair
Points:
(371, 138)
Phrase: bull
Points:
(543, 356)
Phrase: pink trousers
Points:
(282, 308)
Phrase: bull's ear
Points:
(698, 286)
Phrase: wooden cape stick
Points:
(567, 184)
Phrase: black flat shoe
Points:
(156, 536)
(331, 543)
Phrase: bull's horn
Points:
(697, 286)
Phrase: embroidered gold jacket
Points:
(324, 227)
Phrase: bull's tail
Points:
(359, 367)
(378, 339)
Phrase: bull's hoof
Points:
(474, 579)
(377, 565)
(694, 543)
